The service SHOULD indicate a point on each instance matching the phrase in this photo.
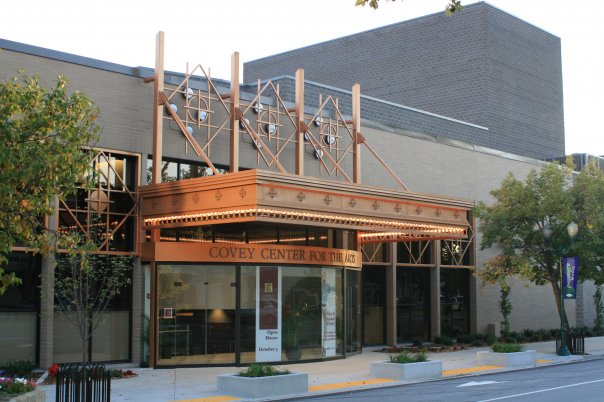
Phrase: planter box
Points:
(516, 359)
(263, 387)
(407, 371)
(34, 396)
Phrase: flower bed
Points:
(262, 381)
(407, 371)
(514, 359)
(13, 388)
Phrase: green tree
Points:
(452, 6)
(42, 132)
(85, 285)
(514, 224)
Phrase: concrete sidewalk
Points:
(199, 384)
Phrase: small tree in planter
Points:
(85, 284)
(405, 366)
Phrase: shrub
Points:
(478, 342)
(490, 339)
(444, 340)
(417, 341)
(262, 370)
(506, 347)
(18, 368)
(405, 357)
(466, 338)
(508, 340)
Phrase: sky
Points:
(124, 32)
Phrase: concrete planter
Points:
(516, 359)
(34, 396)
(263, 387)
(407, 371)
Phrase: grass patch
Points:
(262, 370)
(405, 357)
(506, 347)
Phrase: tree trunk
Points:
(556, 290)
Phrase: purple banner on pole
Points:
(570, 273)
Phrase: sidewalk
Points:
(199, 384)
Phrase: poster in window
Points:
(268, 314)
(328, 312)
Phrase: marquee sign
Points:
(250, 253)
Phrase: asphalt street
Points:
(578, 382)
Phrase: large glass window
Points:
(109, 209)
(412, 303)
(110, 340)
(454, 301)
(374, 305)
(196, 314)
(19, 307)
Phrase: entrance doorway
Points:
(196, 320)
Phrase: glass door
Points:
(196, 317)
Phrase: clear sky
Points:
(124, 32)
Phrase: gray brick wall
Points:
(482, 66)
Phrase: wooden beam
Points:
(158, 89)
(234, 95)
(300, 125)
(356, 129)
(149, 79)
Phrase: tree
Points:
(85, 285)
(453, 6)
(514, 223)
(42, 132)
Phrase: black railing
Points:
(575, 341)
(91, 383)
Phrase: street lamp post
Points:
(572, 229)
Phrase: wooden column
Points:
(358, 138)
(391, 321)
(435, 317)
(300, 126)
(158, 90)
(235, 113)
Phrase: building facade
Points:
(482, 66)
(287, 221)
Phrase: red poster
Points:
(269, 302)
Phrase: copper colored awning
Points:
(260, 196)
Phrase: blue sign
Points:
(570, 273)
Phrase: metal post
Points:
(563, 348)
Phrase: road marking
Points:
(474, 383)
(542, 390)
(325, 387)
(469, 370)
(543, 361)
(221, 398)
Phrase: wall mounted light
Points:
(174, 107)
(258, 107)
(317, 121)
(329, 139)
(190, 130)
(242, 124)
(188, 93)
(307, 136)
(318, 153)
(270, 128)
(257, 144)
(202, 115)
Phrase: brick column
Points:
(137, 309)
(391, 334)
(435, 293)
